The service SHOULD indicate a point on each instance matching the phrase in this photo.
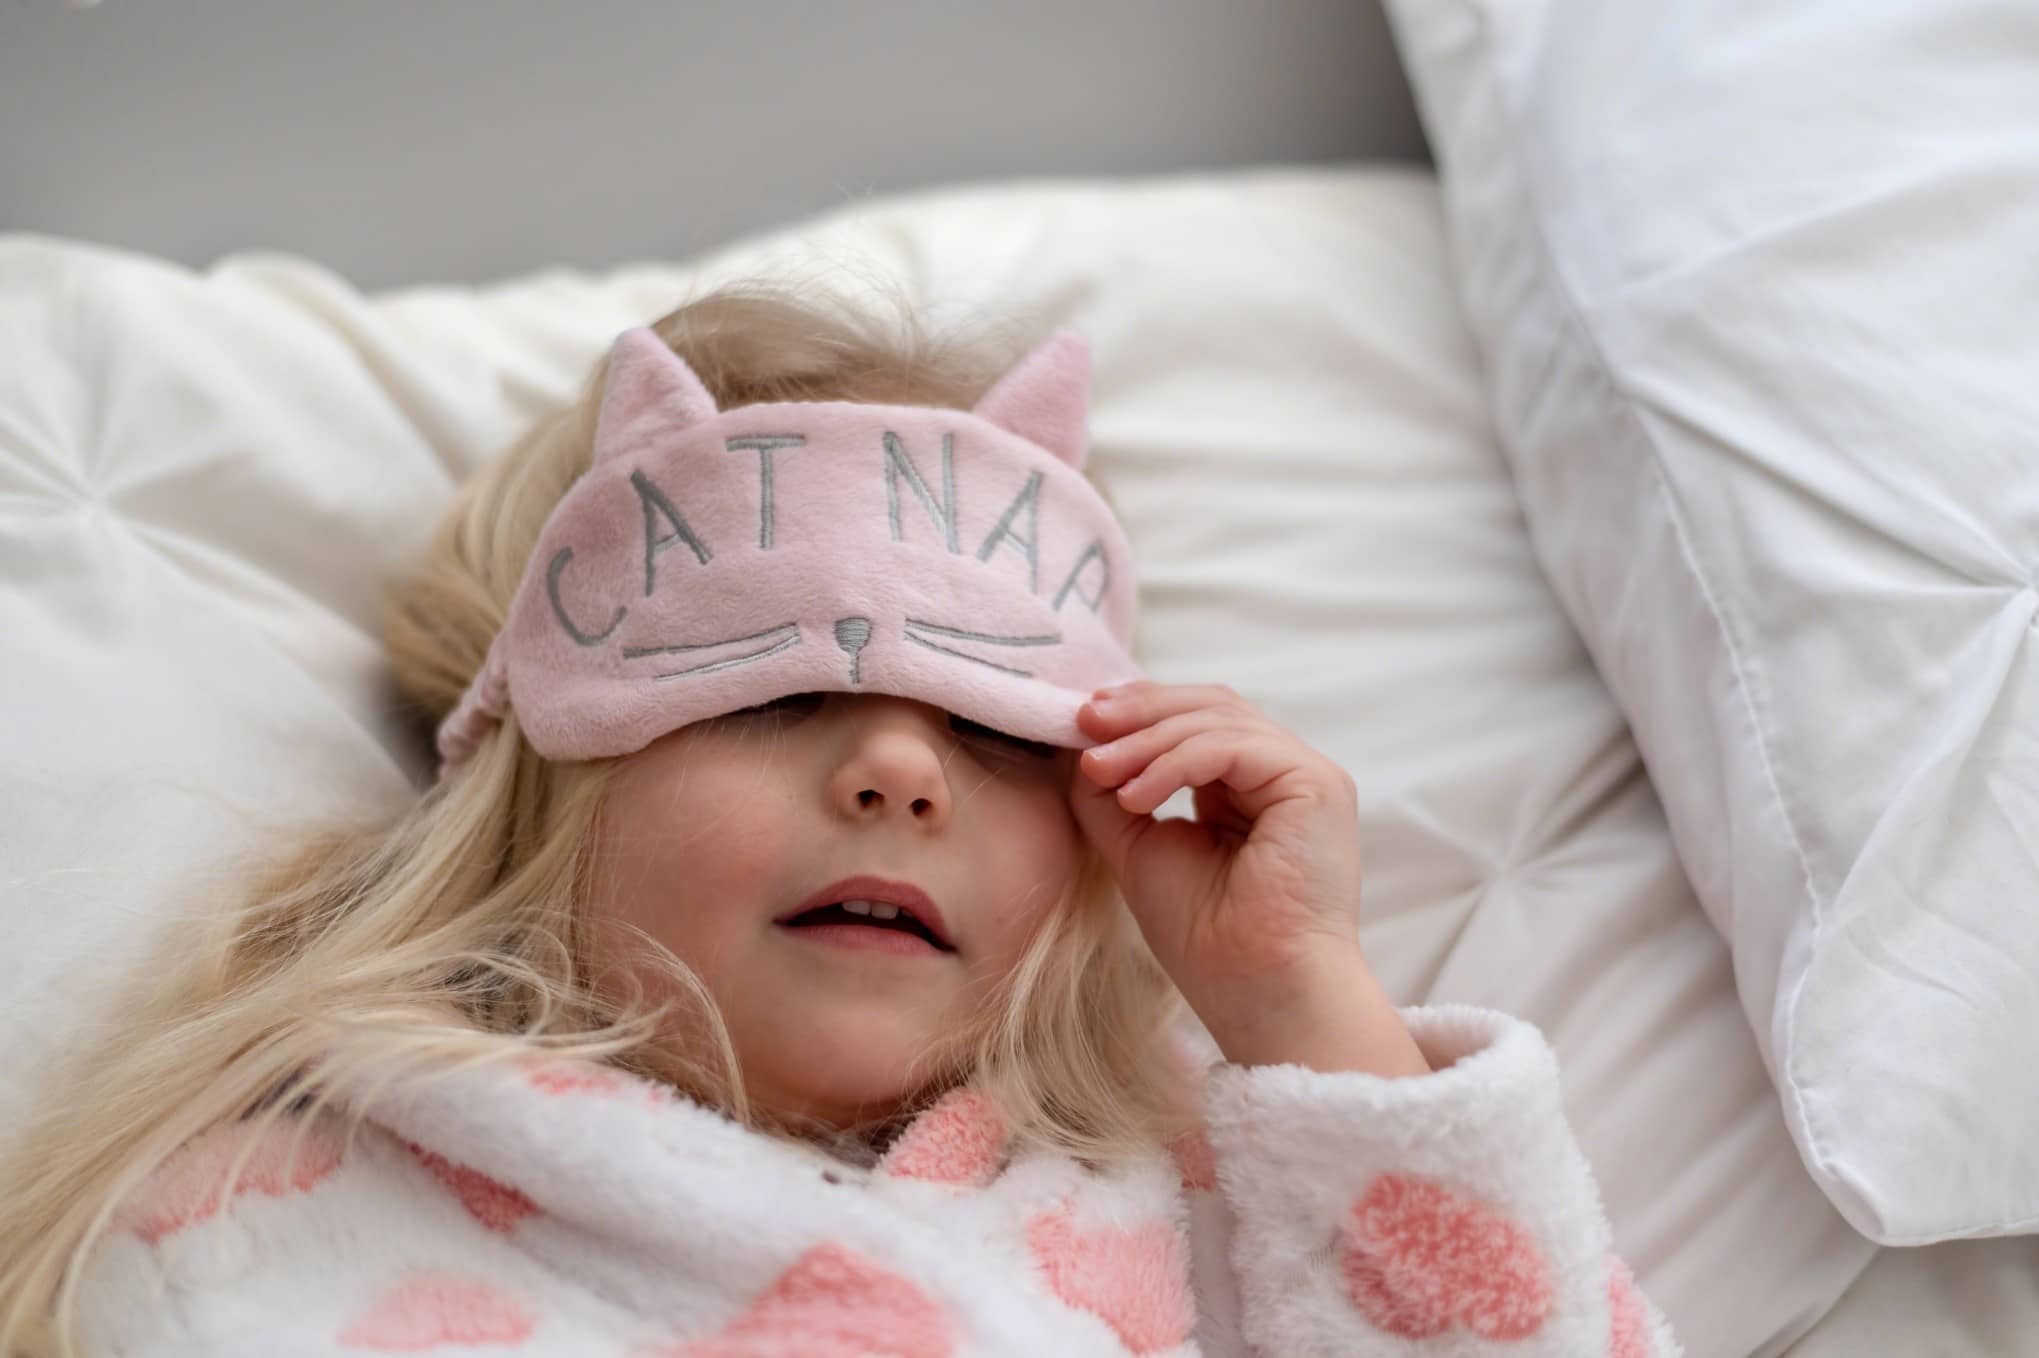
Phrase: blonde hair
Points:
(450, 934)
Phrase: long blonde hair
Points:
(452, 933)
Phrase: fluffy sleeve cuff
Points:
(1436, 1214)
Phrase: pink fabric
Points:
(832, 1303)
(709, 561)
(496, 1205)
(1629, 1326)
(567, 1076)
(572, 1077)
(428, 1311)
(190, 1186)
(1195, 1161)
(959, 1141)
(1131, 1277)
(1420, 1260)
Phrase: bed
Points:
(206, 474)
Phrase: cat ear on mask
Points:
(1045, 398)
(651, 395)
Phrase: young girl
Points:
(786, 960)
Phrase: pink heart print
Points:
(494, 1204)
(190, 1185)
(1135, 1279)
(1419, 1260)
(832, 1303)
(1195, 1161)
(438, 1310)
(959, 1141)
(571, 1077)
(1629, 1325)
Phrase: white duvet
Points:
(204, 478)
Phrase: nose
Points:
(892, 767)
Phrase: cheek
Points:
(1034, 853)
(687, 857)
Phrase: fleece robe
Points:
(561, 1207)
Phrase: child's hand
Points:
(1265, 880)
(1253, 906)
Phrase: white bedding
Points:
(1755, 288)
(204, 479)
(1963, 1299)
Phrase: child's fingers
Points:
(1251, 764)
(1145, 702)
(1107, 824)
(1215, 808)
(1113, 763)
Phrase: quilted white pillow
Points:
(1758, 287)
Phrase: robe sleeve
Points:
(1451, 1213)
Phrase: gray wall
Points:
(461, 140)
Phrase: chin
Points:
(847, 1074)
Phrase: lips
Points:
(908, 897)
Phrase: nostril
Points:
(921, 806)
(866, 797)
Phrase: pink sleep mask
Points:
(712, 560)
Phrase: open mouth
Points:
(871, 923)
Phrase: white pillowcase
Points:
(1758, 287)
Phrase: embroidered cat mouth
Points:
(852, 634)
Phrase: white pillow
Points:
(205, 478)
(1758, 287)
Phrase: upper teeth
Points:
(875, 909)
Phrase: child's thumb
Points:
(1103, 821)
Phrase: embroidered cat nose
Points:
(851, 634)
